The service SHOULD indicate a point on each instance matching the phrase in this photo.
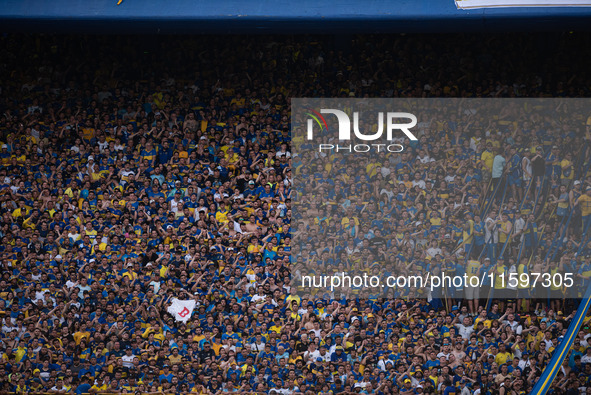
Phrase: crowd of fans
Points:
(476, 200)
(135, 171)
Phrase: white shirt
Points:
(388, 193)
(125, 173)
(312, 355)
(442, 354)
(465, 331)
(39, 295)
(383, 362)
(548, 344)
(515, 327)
(71, 284)
(103, 145)
(174, 205)
(128, 360)
(257, 346)
(528, 170)
(488, 233)
(519, 225)
(433, 251)
(156, 285)
(257, 297)
(420, 183)
(425, 159)
(474, 141)
(7, 329)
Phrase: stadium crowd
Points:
(135, 172)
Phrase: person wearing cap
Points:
(338, 355)
(4, 154)
(250, 190)
(406, 386)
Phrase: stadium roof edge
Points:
(272, 16)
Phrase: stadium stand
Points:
(138, 169)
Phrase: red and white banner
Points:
(181, 309)
(468, 4)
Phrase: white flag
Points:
(181, 309)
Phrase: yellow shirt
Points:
(221, 216)
(87, 133)
(488, 157)
(345, 221)
(584, 203)
(472, 269)
(254, 249)
(173, 360)
(19, 212)
(131, 274)
(78, 336)
(468, 235)
(503, 357)
(485, 321)
(565, 164)
(276, 329)
(216, 348)
(91, 233)
(239, 102)
(20, 353)
(291, 298)
(500, 282)
(503, 236)
(99, 388)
